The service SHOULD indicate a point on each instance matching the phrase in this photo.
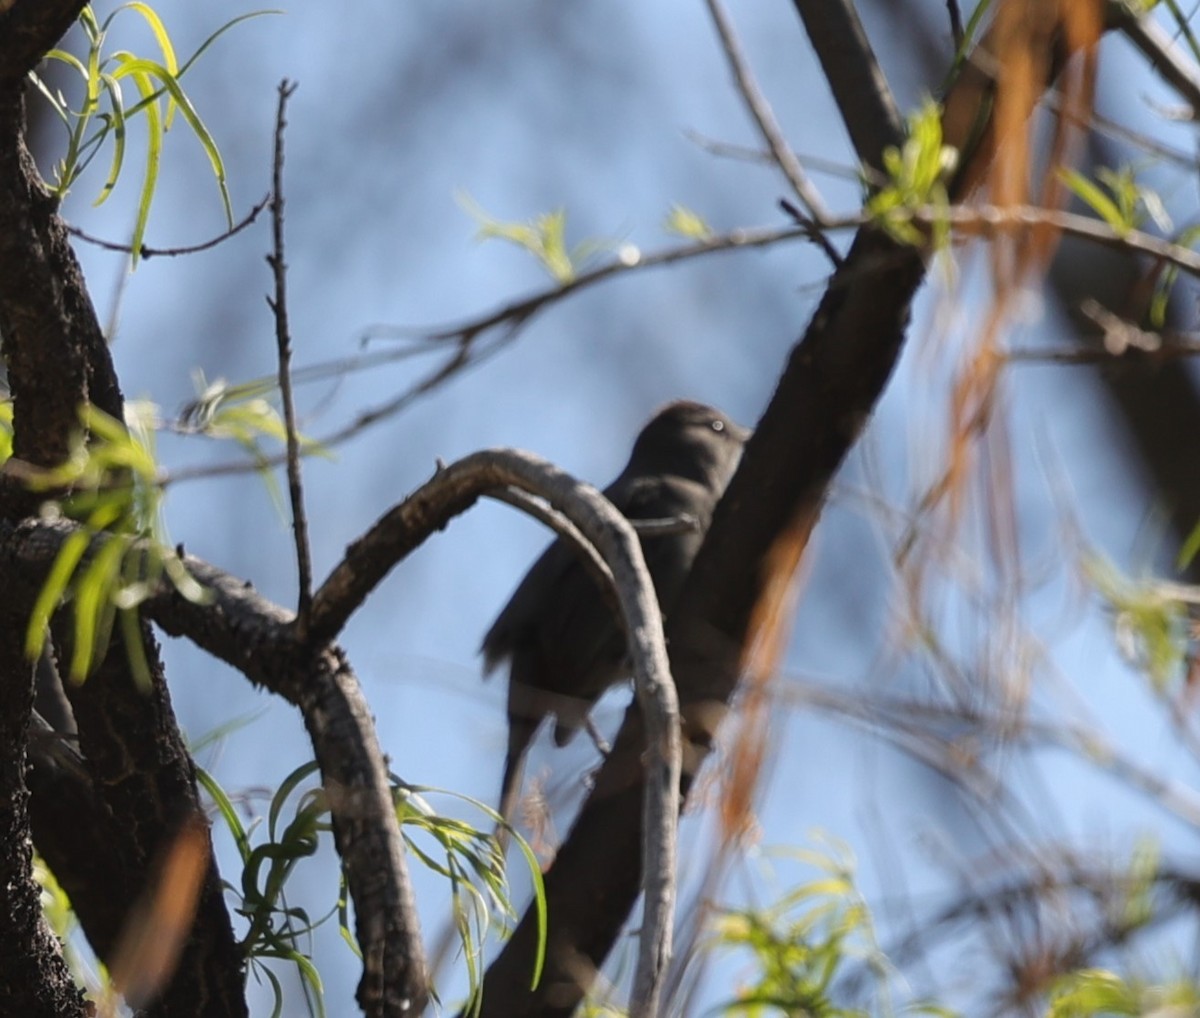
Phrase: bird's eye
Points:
(718, 425)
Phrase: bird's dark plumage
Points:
(564, 645)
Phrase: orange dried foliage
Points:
(158, 926)
(767, 640)
(988, 115)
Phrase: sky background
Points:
(590, 107)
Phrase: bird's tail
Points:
(520, 734)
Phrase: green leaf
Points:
(1096, 199)
(687, 223)
(147, 70)
(52, 591)
(226, 809)
(93, 608)
(153, 149)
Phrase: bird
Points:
(564, 645)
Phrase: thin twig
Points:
(746, 154)
(956, 23)
(760, 110)
(511, 318)
(1106, 125)
(913, 726)
(283, 340)
(986, 220)
(1087, 356)
(146, 253)
(1156, 45)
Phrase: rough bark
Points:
(57, 360)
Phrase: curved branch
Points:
(451, 491)
(548, 516)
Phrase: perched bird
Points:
(565, 646)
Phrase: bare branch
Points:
(283, 341)
(975, 220)
(145, 253)
(728, 150)
(768, 126)
(508, 321)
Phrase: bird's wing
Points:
(519, 618)
(669, 556)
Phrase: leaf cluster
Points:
(109, 485)
(916, 176)
(105, 110)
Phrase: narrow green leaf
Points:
(286, 787)
(226, 809)
(93, 607)
(137, 67)
(51, 594)
(118, 132)
(1095, 198)
(165, 48)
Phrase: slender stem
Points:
(768, 127)
(283, 340)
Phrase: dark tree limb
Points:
(58, 361)
(852, 70)
(34, 978)
(63, 803)
(53, 345)
(824, 397)
(29, 28)
(146, 783)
